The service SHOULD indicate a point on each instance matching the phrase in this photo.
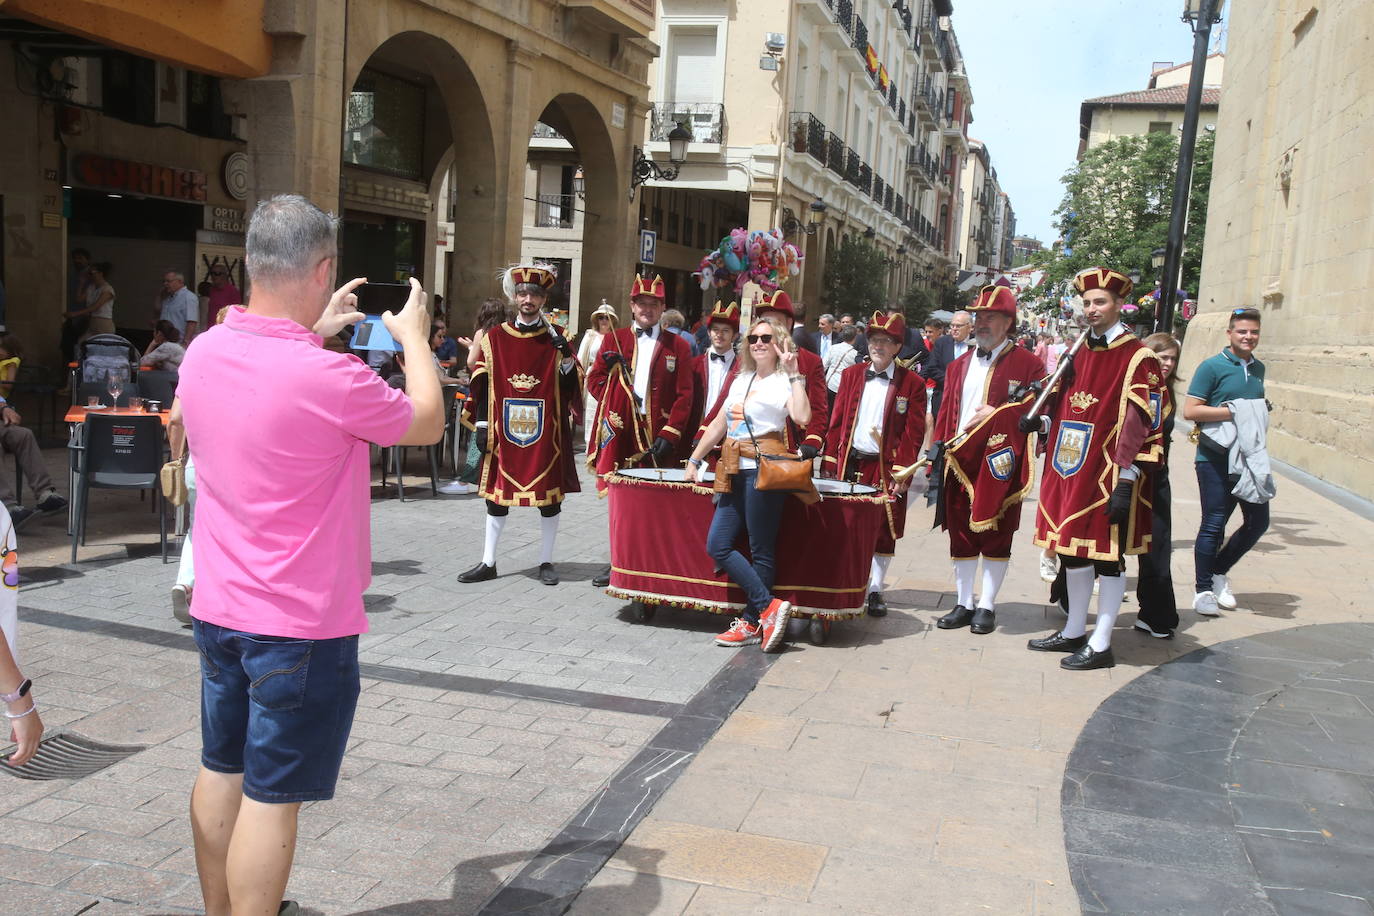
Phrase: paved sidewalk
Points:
(490, 715)
(906, 769)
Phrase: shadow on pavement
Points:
(552, 881)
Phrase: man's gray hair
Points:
(287, 236)
(827, 317)
(175, 273)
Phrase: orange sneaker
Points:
(741, 633)
(773, 624)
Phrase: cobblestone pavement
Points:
(904, 769)
(490, 715)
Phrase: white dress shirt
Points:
(974, 381)
(644, 360)
(716, 371)
(872, 407)
(823, 342)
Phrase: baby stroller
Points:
(96, 357)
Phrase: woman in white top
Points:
(165, 351)
(603, 323)
(100, 297)
(768, 390)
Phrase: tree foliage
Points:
(1115, 210)
(855, 278)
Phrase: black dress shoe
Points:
(1058, 642)
(959, 617)
(1085, 659)
(984, 621)
(547, 575)
(603, 579)
(877, 607)
(479, 573)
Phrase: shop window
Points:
(130, 85)
(205, 113)
(385, 126)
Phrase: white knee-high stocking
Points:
(548, 533)
(1080, 587)
(1111, 590)
(994, 571)
(964, 573)
(495, 524)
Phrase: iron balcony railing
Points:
(861, 38)
(851, 166)
(889, 199)
(809, 136)
(865, 181)
(844, 16)
(554, 211)
(878, 186)
(706, 120)
(836, 153)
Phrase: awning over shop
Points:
(218, 37)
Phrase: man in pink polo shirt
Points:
(280, 427)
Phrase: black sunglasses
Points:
(1249, 313)
(760, 338)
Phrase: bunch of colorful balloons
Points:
(759, 256)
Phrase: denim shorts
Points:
(276, 709)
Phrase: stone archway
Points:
(457, 141)
(607, 248)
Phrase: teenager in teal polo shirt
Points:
(1232, 375)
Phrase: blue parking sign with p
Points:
(648, 242)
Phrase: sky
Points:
(1031, 65)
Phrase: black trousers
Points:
(1155, 583)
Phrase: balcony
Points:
(554, 211)
(878, 186)
(861, 38)
(851, 167)
(835, 154)
(890, 199)
(844, 17)
(809, 136)
(706, 121)
(865, 182)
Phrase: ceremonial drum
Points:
(659, 521)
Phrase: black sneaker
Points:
(602, 579)
(51, 502)
(547, 574)
(22, 515)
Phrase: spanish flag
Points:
(883, 78)
(871, 59)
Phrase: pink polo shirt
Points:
(279, 429)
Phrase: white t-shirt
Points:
(93, 294)
(765, 407)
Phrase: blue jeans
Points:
(1210, 557)
(759, 513)
(276, 709)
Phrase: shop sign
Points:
(224, 219)
(139, 178)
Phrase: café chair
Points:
(120, 452)
(159, 385)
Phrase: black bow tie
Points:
(644, 332)
(983, 354)
(720, 356)
(870, 375)
(1097, 343)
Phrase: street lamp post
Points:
(1200, 15)
(643, 168)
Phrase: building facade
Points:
(1288, 227)
(1157, 107)
(826, 118)
(148, 142)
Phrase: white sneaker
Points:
(1205, 603)
(181, 603)
(1049, 568)
(1221, 587)
(456, 488)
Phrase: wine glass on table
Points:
(115, 386)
